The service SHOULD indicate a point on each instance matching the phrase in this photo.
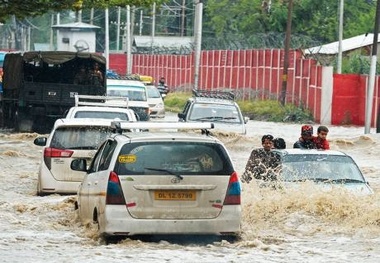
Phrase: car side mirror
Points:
(181, 116)
(40, 141)
(246, 119)
(79, 165)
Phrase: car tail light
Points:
(115, 194)
(55, 153)
(233, 196)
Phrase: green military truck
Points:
(39, 86)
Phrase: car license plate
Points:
(175, 195)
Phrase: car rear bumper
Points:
(49, 185)
(119, 222)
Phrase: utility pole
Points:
(341, 10)
(153, 26)
(198, 40)
(286, 53)
(107, 41)
(183, 18)
(118, 29)
(372, 73)
(128, 41)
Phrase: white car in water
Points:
(135, 91)
(101, 107)
(325, 168)
(214, 106)
(152, 183)
(69, 139)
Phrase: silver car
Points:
(327, 169)
(160, 183)
(217, 107)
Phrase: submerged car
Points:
(101, 107)
(217, 107)
(325, 168)
(154, 182)
(69, 139)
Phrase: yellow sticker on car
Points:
(128, 158)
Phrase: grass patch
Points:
(175, 101)
(265, 110)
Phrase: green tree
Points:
(22, 8)
(255, 24)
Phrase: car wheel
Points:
(232, 238)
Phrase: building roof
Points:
(163, 41)
(347, 45)
(76, 25)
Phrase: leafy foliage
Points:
(22, 8)
(254, 24)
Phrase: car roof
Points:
(95, 108)
(165, 136)
(212, 100)
(156, 131)
(298, 151)
(82, 122)
(122, 82)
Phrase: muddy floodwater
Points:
(300, 225)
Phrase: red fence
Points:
(257, 74)
(349, 99)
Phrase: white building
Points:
(76, 36)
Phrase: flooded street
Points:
(301, 225)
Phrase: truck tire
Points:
(22, 123)
(7, 120)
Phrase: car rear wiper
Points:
(82, 148)
(164, 170)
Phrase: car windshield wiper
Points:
(328, 180)
(164, 170)
(346, 180)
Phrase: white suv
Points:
(103, 107)
(217, 107)
(69, 139)
(136, 93)
(160, 183)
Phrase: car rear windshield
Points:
(84, 138)
(133, 93)
(319, 167)
(102, 115)
(178, 158)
